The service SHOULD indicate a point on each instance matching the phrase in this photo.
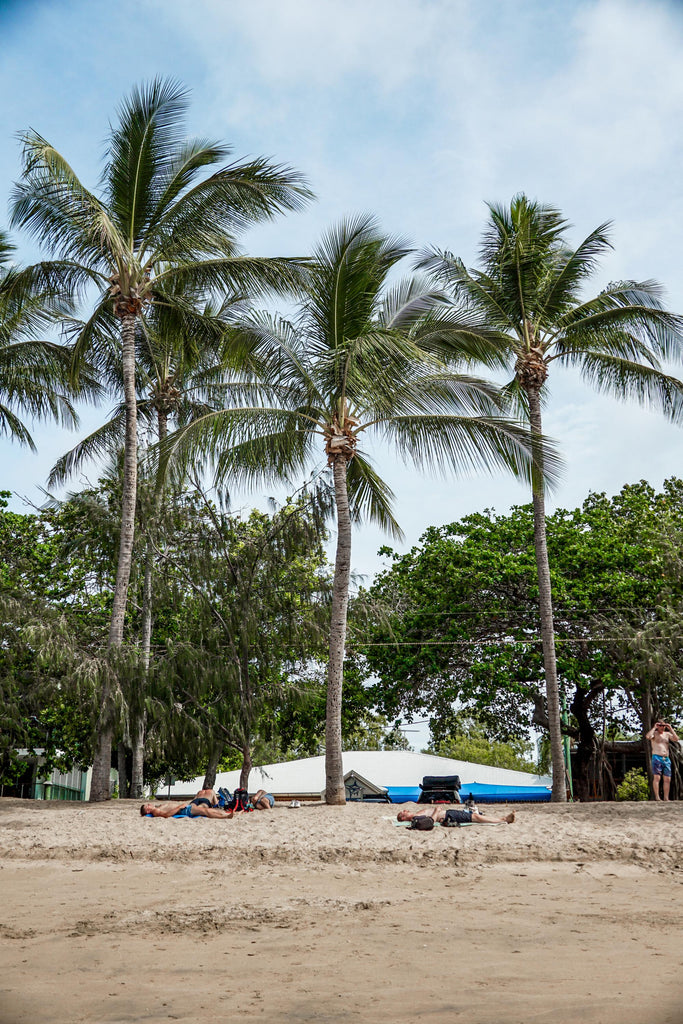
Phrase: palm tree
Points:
(350, 365)
(182, 360)
(159, 230)
(34, 373)
(525, 304)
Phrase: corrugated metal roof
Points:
(306, 777)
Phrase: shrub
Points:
(634, 786)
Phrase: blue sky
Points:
(418, 111)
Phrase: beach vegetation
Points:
(526, 302)
(162, 229)
(634, 786)
(352, 364)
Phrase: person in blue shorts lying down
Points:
(262, 801)
(461, 814)
(204, 805)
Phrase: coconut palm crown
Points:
(35, 378)
(352, 365)
(161, 230)
(525, 303)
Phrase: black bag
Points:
(422, 822)
(240, 801)
(439, 789)
(441, 782)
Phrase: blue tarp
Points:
(481, 792)
(489, 794)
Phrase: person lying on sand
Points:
(262, 801)
(460, 814)
(204, 805)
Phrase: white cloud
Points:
(418, 110)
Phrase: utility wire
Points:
(491, 642)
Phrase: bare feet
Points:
(510, 817)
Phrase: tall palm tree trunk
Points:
(130, 483)
(545, 601)
(99, 786)
(334, 771)
(138, 730)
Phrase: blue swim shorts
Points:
(661, 766)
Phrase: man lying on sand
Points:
(262, 801)
(459, 814)
(204, 805)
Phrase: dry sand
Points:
(334, 915)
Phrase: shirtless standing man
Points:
(438, 813)
(660, 736)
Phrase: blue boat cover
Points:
(481, 792)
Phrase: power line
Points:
(507, 643)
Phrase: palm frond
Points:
(370, 497)
(464, 444)
(223, 205)
(253, 276)
(59, 211)
(100, 443)
(141, 145)
(629, 380)
(567, 274)
(628, 306)
(11, 426)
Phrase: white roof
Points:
(400, 768)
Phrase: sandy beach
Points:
(336, 915)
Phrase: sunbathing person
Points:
(204, 805)
(262, 801)
(459, 814)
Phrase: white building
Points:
(383, 769)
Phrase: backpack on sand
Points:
(240, 801)
(422, 822)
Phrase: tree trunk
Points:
(212, 767)
(552, 690)
(138, 738)
(101, 766)
(123, 775)
(130, 481)
(334, 771)
(246, 767)
(587, 745)
(647, 725)
(99, 789)
(138, 765)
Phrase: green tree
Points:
(453, 625)
(183, 367)
(250, 593)
(160, 232)
(472, 743)
(526, 303)
(352, 365)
